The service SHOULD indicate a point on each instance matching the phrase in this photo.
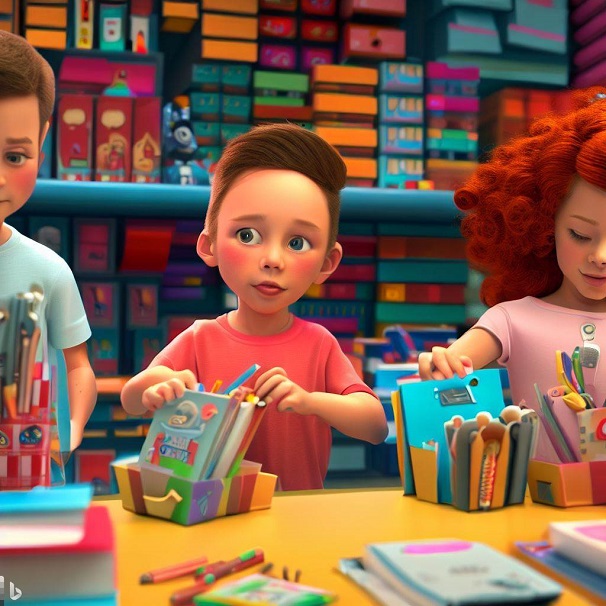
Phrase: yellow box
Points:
(352, 137)
(180, 10)
(46, 16)
(341, 103)
(248, 7)
(390, 292)
(362, 168)
(345, 74)
(226, 26)
(229, 50)
(46, 38)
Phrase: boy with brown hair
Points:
(271, 230)
(27, 96)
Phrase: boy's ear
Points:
(205, 250)
(331, 262)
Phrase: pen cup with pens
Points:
(459, 444)
(27, 423)
(574, 421)
(191, 467)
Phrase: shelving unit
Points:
(80, 198)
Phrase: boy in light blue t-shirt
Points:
(27, 96)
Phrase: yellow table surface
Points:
(310, 531)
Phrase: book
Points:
(582, 542)
(585, 580)
(184, 434)
(73, 567)
(263, 590)
(456, 573)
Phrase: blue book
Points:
(184, 433)
(457, 573)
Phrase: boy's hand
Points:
(157, 395)
(442, 364)
(274, 387)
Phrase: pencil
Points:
(172, 572)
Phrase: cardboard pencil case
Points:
(157, 492)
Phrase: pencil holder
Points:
(458, 444)
(578, 437)
(25, 451)
(150, 490)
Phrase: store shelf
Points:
(53, 197)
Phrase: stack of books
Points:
(55, 547)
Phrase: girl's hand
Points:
(157, 395)
(274, 387)
(443, 364)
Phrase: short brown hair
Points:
(24, 72)
(280, 147)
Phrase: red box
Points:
(147, 150)
(113, 130)
(319, 31)
(277, 27)
(373, 42)
(278, 56)
(387, 8)
(75, 138)
(319, 7)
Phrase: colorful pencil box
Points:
(153, 491)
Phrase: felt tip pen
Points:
(185, 596)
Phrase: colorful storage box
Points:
(150, 490)
(568, 484)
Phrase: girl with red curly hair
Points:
(536, 227)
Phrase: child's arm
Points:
(476, 348)
(153, 387)
(358, 415)
(82, 390)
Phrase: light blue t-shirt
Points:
(24, 262)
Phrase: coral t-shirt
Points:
(530, 331)
(294, 447)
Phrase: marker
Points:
(172, 572)
(183, 597)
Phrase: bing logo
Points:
(13, 592)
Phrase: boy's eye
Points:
(16, 158)
(248, 235)
(576, 236)
(299, 243)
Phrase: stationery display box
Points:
(568, 484)
(150, 490)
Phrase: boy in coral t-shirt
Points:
(271, 230)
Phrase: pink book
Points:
(591, 53)
(595, 75)
(591, 30)
(585, 11)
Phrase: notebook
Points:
(456, 573)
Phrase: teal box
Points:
(112, 27)
(229, 131)
(206, 106)
(205, 77)
(236, 108)
(402, 140)
(394, 171)
(400, 109)
(235, 79)
(400, 77)
(463, 30)
(207, 133)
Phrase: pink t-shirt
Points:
(294, 447)
(530, 331)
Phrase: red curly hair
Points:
(512, 200)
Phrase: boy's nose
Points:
(272, 257)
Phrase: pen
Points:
(172, 572)
(185, 596)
